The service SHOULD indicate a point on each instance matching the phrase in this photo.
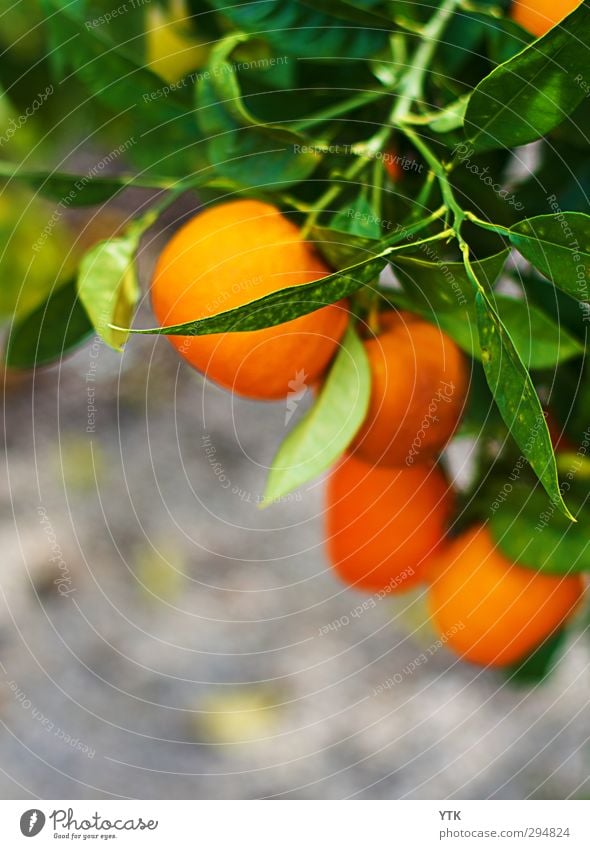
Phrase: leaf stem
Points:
(412, 82)
(486, 225)
(139, 225)
(411, 85)
(377, 188)
(342, 108)
(332, 193)
(407, 231)
(457, 212)
(444, 234)
(425, 191)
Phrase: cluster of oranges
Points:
(389, 504)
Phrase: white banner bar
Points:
(297, 824)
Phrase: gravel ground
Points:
(161, 636)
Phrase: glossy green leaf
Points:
(538, 665)
(358, 13)
(303, 31)
(108, 72)
(358, 219)
(533, 92)
(462, 40)
(571, 315)
(529, 529)
(281, 306)
(515, 395)
(108, 289)
(339, 248)
(450, 118)
(441, 284)
(505, 38)
(328, 428)
(286, 304)
(222, 78)
(559, 246)
(54, 328)
(161, 121)
(540, 342)
(254, 160)
(239, 146)
(78, 189)
(342, 249)
(35, 253)
(55, 42)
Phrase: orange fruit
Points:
(559, 438)
(382, 524)
(418, 389)
(391, 162)
(229, 255)
(492, 611)
(539, 16)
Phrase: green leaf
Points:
(505, 38)
(571, 315)
(358, 220)
(358, 13)
(450, 118)
(78, 189)
(108, 289)
(241, 147)
(461, 42)
(107, 71)
(441, 284)
(559, 246)
(540, 342)
(222, 78)
(533, 92)
(342, 249)
(529, 529)
(36, 254)
(540, 663)
(329, 427)
(254, 160)
(164, 137)
(55, 47)
(281, 306)
(294, 27)
(517, 400)
(481, 413)
(339, 248)
(54, 328)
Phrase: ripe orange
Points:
(227, 256)
(382, 524)
(539, 16)
(490, 610)
(418, 389)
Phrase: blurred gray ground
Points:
(184, 657)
